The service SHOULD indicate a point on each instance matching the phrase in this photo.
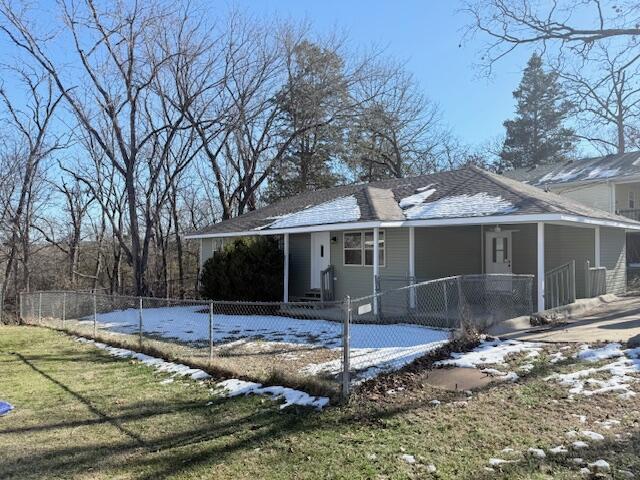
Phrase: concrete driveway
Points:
(616, 321)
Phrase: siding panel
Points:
(563, 244)
(595, 195)
(613, 257)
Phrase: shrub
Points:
(249, 269)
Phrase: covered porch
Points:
(333, 264)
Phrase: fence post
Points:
(460, 300)
(210, 331)
(140, 325)
(572, 280)
(39, 308)
(21, 311)
(1, 301)
(64, 308)
(346, 346)
(95, 315)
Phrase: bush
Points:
(249, 269)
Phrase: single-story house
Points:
(467, 221)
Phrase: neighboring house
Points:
(610, 183)
(467, 221)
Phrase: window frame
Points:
(363, 249)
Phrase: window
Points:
(358, 248)
(500, 250)
(632, 199)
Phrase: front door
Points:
(320, 256)
(498, 252)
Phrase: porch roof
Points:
(466, 196)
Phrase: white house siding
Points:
(357, 281)
(597, 195)
(613, 257)
(563, 244)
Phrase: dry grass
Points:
(82, 414)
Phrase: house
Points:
(467, 221)
(610, 183)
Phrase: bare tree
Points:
(559, 25)
(606, 97)
(27, 142)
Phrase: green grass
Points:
(82, 414)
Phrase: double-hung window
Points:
(358, 248)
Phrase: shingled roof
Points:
(466, 193)
(585, 170)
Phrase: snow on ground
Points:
(371, 362)
(374, 347)
(234, 388)
(493, 352)
(477, 205)
(590, 381)
(176, 369)
(229, 388)
(343, 209)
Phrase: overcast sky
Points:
(427, 34)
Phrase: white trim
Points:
(434, 222)
(612, 197)
(596, 255)
(376, 265)
(286, 269)
(540, 266)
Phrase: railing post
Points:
(572, 280)
(210, 331)
(39, 308)
(346, 346)
(140, 324)
(587, 275)
(64, 308)
(95, 316)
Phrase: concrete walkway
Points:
(617, 321)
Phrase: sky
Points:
(427, 34)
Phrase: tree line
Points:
(127, 124)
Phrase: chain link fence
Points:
(322, 348)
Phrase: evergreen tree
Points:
(537, 135)
(314, 92)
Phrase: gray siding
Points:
(299, 264)
(442, 252)
(613, 257)
(563, 244)
(357, 281)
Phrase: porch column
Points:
(286, 268)
(412, 265)
(376, 266)
(540, 275)
(596, 254)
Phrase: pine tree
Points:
(537, 134)
(316, 88)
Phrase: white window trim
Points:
(362, 249)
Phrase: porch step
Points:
(312, 295)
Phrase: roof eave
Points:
(434, 222)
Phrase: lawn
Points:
(83, 414)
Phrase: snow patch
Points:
(611, 350)
(600, 172)
(490, 353)
(478, 205)
(234, 387)
(419, 197)
(175, 369)
(343, 209)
